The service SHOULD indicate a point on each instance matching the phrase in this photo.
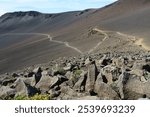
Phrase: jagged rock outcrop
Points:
(6, 92)
(44, 84)
(98, 76)
(91, 77)
(135, 89)
(80, 84)
(104, 91)
(23, 89)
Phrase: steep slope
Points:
(127, 16)
(23, 41)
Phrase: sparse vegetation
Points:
(35, 97)
(76, 76)
(61, 71)
(40, 97)
(77, 73)
(19, 97)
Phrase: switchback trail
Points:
(129, 37)
(105, 37)
(50, 39)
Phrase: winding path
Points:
(67, 44)
(105, 37)
(128, 36)
(50, 39)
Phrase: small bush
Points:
(35, 97)
(77, 73)
(40, 97)
(76, 76)
(61, 71)
(19, 97)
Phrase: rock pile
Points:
(99, 76)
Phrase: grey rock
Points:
(143, 79)
(15, 75)
(103, 90)
(6, 92)
(8, 81)
(23, 89)
(36, 70)
(67, 93)
(107, 73)
(118, 62)
(45, 73)
(137, 72)
(139, 64)
(91, 77)
(106, 61)
(110, 76)
(54, 93)
(123, 78)
(87, 61)
(80, 84)
(100, 62)
(51, 72)
(111, 73)
(68, 67)
(30, 74)
(57, 80)
(38, 74)
(100, 78)
(135, 89)
(146, 67)
(147, 75)
(44, 84)
(54, 81)
(69, 75)
(29, 81)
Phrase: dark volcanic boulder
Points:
(53, 93)
(80, 84)
(91, 77)
(38, 74)
(110, 73)
(29, 81)
(135, 89)
(67, 93)
(8, 81)
(123, 78)
(57, 80)
(23, 89)
(44, 84)
(104, 91)
(118, 62)
(6, 92)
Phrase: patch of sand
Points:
(140, 42)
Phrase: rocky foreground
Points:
(99, 76)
